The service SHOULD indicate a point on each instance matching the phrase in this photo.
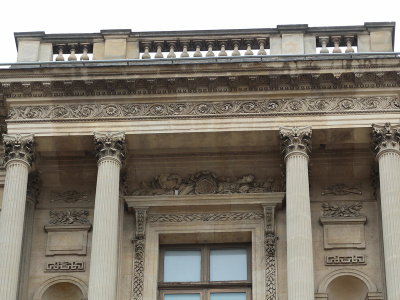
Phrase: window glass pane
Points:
(228, 264)
(182, 297)
(182, 265)
(228, 296)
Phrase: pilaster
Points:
(296, 147)
(110, 153)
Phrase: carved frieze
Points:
(342, 210)
(204, 182)
(140, 246)
(295, 139)
(205, 217)
(345, 260)
(385, 137)
(19, 146)
(69, 217)
(110, 144)
(270, 253)
(341, 189)
(65, 266)
(70, 197)
(250, 108)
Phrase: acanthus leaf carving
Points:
(295, 139)
(110, 144)
(342, 210)
(19, 146)
(385, 137)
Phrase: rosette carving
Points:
(295, 139)
(19, 146)
(385, 137)
(110, 144)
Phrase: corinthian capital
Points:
(295, 139)
(110, 144)
(385, 138)
(20, 147)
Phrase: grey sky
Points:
(141, 15)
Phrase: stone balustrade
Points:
(282, 40)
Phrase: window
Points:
(205, 272)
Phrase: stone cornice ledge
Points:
(135, 202)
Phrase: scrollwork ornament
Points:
(385, 138)
(19, 146)
(295, 139)
(110, 144)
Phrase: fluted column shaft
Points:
(12, 226)
(104, 257)
(389, 173)
(386, 145)
(295, 143)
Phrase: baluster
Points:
(248, 51)
(60, 49)
(198, 47)
(210, 48)
(159, 48)
(261, 44)
(236, 44)
(72, 49)
(336, 42)
(146, 53)
(85, 50)
(185, 47)
(324, 41)
(349, 41)
(223, 47)
(171, 53)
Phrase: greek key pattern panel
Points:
(65, 266)
(296, 106)
(345, 260)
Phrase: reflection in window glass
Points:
(228, 264)
(182, 266)
(228, 296)
(182, 297)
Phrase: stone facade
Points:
(120, 145)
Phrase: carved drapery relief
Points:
(19, 146)
(204, 182)
(345, 260)
(110, 144)
(341, 189)
(295, 139)
(33, 188)
(342, 210)
(241, 108)
(65, 266)
(270, 253)
(69, 217)
(140, 244)
(70, 197)
(385, 137)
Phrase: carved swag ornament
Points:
(19, 146)
(295, 139)
(385, 137)
(334, 210)
(204, 182)
(69, 217)
(70, 197)
(110, 144)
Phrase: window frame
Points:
(205, 287)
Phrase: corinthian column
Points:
(110, 152)
(385, 144)
(19, 155)
(296, 148)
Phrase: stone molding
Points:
(110, 145)
(295, 140)
(385, 138)
(176, 110)
(61, 279)
(19, 147)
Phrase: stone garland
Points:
(69, 217)
(295, 106)
(344, 210)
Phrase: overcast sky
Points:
(154, 15)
